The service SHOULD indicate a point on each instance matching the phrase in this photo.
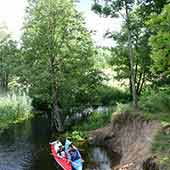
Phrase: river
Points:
(25, 147)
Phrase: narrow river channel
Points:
(25, 147)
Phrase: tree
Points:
(159, 42)
(114, 9)
(149, 6)
(141, 52)
(8, 60)
(58, 57)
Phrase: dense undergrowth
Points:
(109, 96)
(160, 149)
(79, 132)
(155, 101)
(156, 106)
(161, 143)
(95, 120)
(14, 108)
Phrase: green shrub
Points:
(95, 120)
(155, 101)
(111, 95)
(76, 136)
(121, 108)
(13, 108)
(160, 147)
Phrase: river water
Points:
(25, 147)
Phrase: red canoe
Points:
(63, 162)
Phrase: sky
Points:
(12, 13)
(96, 23)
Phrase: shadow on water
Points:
(25, 147)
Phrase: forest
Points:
(56, 69)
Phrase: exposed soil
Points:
(131, 136)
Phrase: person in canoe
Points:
(56, 145)
(73, 155)
(61, 152)
(58, 152)
(59, 148)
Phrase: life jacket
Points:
(74, 154)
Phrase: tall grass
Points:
(14, 108)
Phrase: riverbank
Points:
(161, 142)
(7, 122)
(142, 140)
(130, 135)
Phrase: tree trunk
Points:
(132, 75)
(139, 83)
(131, 58)
(3, 82)
(142, 84)
(56, 115)
(56, 118)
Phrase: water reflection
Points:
(101, 158)
(25, 147)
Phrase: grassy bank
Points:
(155, 104)
(13, 109)
(161, 143)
